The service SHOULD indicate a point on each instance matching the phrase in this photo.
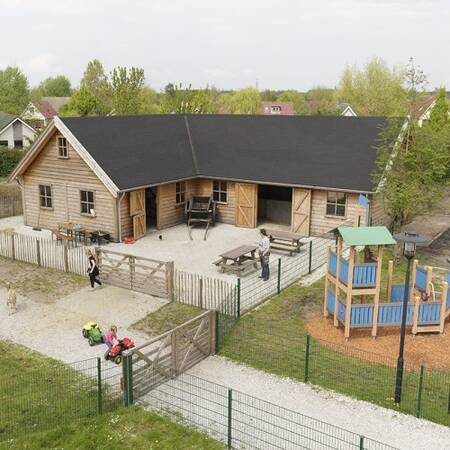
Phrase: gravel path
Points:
(385, 425)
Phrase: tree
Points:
(297, 98)
(150, 102)
(14, 90)
(96, 81)
(181, 100)
(58, 86)
(439, 117)
(243, 101)
(127, 87)
(321, 101)
(83, 102)
(412, 161)
(376, 90)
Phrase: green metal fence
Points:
(44, 397)
(357, 373)
(244, 421)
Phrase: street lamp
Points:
(409, 241)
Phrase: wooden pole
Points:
(348, 308)
(170, 274)
(66, 258)
(38, 252)
(336, 287)
(429, 279)
(13, 248)
(413, 279)
(415, 323)
(325, 310)
(173, 341)
(200, 292)
(376, 298)
(389, 280)
(443, 311)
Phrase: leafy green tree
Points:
(376, 90)
(127, 86)
(321, 100)
(14, 90)
(58, 86)
(181, 100)
(150, 101)
(96, 81)
(83, 102)
(244, 101)
(439, 117)
(297, 98)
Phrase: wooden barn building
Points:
(125, 175)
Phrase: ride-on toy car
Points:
(92, 332)
(116, 352)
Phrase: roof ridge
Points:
(191, 144)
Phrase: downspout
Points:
(119, 217)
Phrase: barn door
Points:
(301, 210)
(246, 204)
(137, 212)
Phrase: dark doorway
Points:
(274, 204)
(150, 206)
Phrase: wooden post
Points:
(413, 279)
(429, 279)
(389, 280)
(13, 248)
(132, 267)
(66, 258)
(325, 310)
(443, 310)
(415, 323)
(173, 342)
(376, 298)
(348, 303)
(38, 252)
(212, 331)
(336, 287)
(200, 292)
(170, 274)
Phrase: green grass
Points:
(166, 318)
(45, 404)
(126, 428)
(273, 339)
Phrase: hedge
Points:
(8, 160)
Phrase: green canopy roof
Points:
(366, 236)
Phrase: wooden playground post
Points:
(413, 279)
(376, 298)
(429, 279)
(325, 309)
(415, 323)
(336, 287)
(348, 303)
(389, 280)
(443, 310)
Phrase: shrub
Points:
(9, 158)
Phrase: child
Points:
(110, 338)
(93, 269)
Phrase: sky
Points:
(230, 44)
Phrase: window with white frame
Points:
(220, 191)
(45, 196)
(275, 109)
(87, 205)
(180, 192)
(63, 147)
(336, 204)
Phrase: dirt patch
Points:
(438, 252)
(41, 285)
(430, 350)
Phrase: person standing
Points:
(93, 270)
(264, 253)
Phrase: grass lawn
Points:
(273, 338)
(45, 404)
(166, 318)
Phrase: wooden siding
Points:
(377, 214)
(126, 221)
(321, 223)
(168, 213)
(66, 177)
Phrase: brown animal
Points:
(11, 299)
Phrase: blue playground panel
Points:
(343, 271)
(429, 313)
(391, 314)
(397, 293)
(341, 311)
(365, 275)
(332, 264)
(361, 316)
(330, 301)
(421, 278)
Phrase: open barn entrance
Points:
(150, 207)
(274, 206)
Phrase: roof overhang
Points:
(366, 236)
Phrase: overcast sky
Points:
(230, 43)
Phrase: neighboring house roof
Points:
(283, 108)
(5, 120)
(315, 151)
(50, 106)
(346, 110)
(423, 105)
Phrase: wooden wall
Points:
(321, 223)
(168, 213)
(377, 214)
(67, 177)
(126, 221)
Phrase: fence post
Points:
(66, 258)
(279, 276)
(99, 385)
(238, 297)
(38, 252)
(130, 378)
(132, 263)
(173, 344)
(217, 333)
(170, 274)
(361, 443)
(310, 257)
(200, 292)
(13, 248)
(230, 419)
(125, 381)
(419, 395)
(307, 353)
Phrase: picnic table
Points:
(238, 260)
(285, 240)
(71, 233)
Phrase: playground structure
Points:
(200, 210)
(349, 283)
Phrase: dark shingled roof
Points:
(323, 151)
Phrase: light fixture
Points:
(410, 240)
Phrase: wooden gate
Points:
(301, 211)
(145, 275)
(246, 204)
(137, 211)
(166, 356)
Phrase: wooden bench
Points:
(238, 260)
(285, 241)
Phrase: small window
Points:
(4, 143)
(63, 148)
(220, 190)
(87, 202)
(275, 109)
(336, 202)
(45, 196)
(180, 192)
(18, 143)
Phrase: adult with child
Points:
(93, 270)
(264, 253)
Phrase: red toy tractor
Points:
(115, 354)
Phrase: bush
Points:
(9, 159)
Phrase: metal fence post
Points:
(238, 297)
(310, 257)
(125, 381)
(230, 419)
(279, 276)
(99, 386)
(130, 378)
(307, 353)
(361, 443)
(420, 393)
